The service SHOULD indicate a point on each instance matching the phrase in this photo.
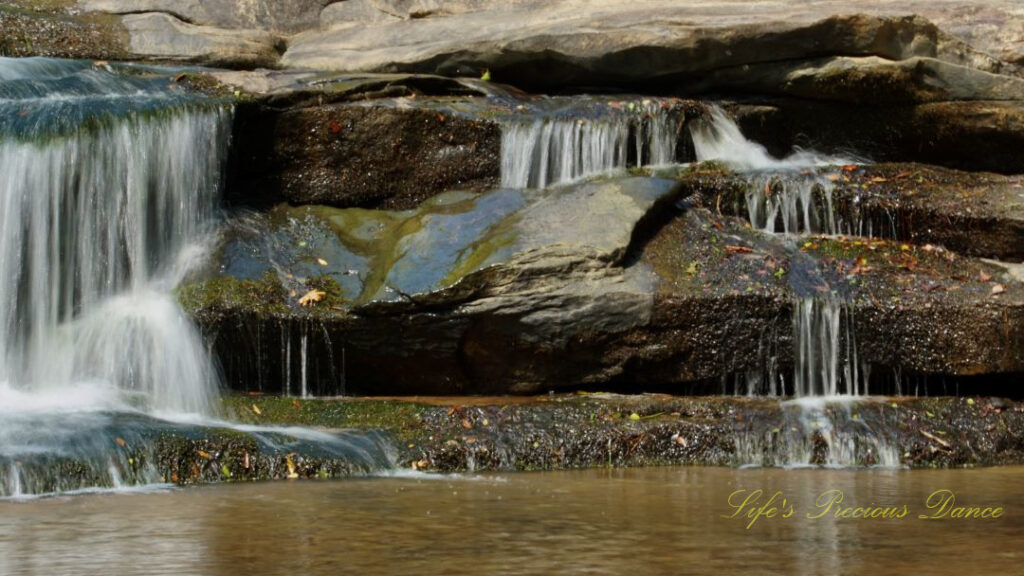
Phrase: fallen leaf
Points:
(245, 461)
(296, 404)
(738, 249)
(634, 416)
(312, 297)
(205, 455)
(879, 179)
(256, 409)
(849, 168)
(998, 289)
(982, 276)
(321, 261)
(467, 424)
(120, 442)
(292, 474)
(335, 127)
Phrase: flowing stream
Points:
(540, 150)
(788, 196)
(109, 183)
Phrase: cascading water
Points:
(539, 151)
(97, 226)
(109, 183)
(820, 426)
(784, 196)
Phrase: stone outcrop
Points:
(970, 135)
(601, 284)
(163, 37)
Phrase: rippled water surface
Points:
(647, 521)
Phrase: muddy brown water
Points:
(644, 521)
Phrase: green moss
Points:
(403, 419)
(209, 300)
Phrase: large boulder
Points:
(605, 284)
(561, 44)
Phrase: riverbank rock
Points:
(969, 135)
(598, 284)
(557, 432)
(971, 213)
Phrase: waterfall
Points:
(545, 150)
(820, 427)
(825, 349)
(108, 184)
(95, 230)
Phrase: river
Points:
(649, 521)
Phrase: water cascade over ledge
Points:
(555, 148)
(109, 184)
(821, 426)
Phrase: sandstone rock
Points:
(867, 80)
(961, 134)
(160, 36)
(350, 155)
(503, 294)
(561, 45)
(276, 16)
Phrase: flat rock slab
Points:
(662, 299)
(971, 213)
(378, 256)
(546, 45)
(970, 135)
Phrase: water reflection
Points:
(658, 521)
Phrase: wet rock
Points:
(971, 213)
(394, 140)
(965, 135)
(510, 290)
(513, 293)
(597, 430)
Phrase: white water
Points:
(786, 195)
(107, 189)
(93, 230)
(789, 196)
(541, 151)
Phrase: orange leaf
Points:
(738, 249)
